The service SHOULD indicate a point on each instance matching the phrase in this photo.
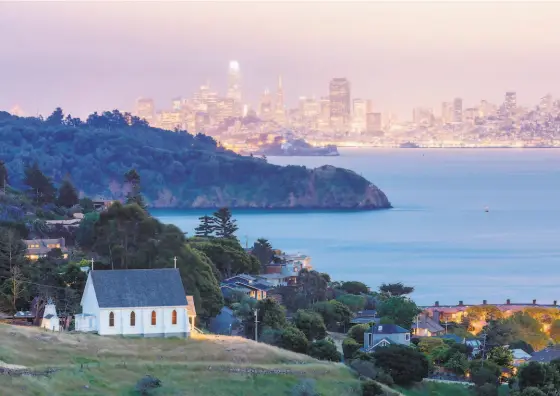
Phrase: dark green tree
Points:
(312, 286)
(40, 186)
(262, 250)
(324, 350)
(371, 388)
(502, 356)
(205, 227)
(12, 252)
(395, 289)
(404, 364)
(224, 224)
(56, 117)
(352, 301)
(357, 332)
(87, 205)
(353, 287)
(132, 181)
(335, 314)
(67, 194)
(350, 347)
(401, 310)
(311, 323)
(3, 175)
(293, 339)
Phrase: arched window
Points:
(132, 319)
(174, 317)
(154, 321)
(111, 319)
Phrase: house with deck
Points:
(250, 285)
(426, 326)
(38, 248)
(140, 302)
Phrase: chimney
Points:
(555, 303)
(534, 302)
(437, 303)
(483, 302)
(508, 302)
(460, 303)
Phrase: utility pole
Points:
(256, 311)
(483, 348)
(175, 261)
(92, 263)
(445, 325)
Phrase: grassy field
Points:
(94, 365)
(437, 389)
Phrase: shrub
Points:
(324, 350)
(357, 332)
(305, 388)
(350, 347)
(371, 388)
(293, 339)
(404, 364)
(146, 384)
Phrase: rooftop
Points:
(388, 329)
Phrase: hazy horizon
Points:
(88, 57)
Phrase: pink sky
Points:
(87, 56)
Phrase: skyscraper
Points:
(447, 112)
(145, 109)
(234, 81)
(510, 103)
(359, 110)
(373, 123)
(545, 105)
(280, 96)
(457, 110)
(339, 93)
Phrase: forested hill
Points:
(177, 169)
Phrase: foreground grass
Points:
(427, 388)
(94, 365)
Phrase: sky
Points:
(86, 56)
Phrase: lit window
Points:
(174, 317)
(154, 321)
(111, 319)
(132, 319)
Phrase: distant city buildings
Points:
(458, 110)
(510, 103)
(145, 109)
(339, 95)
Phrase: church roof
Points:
(139, 288)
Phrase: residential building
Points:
(225, 322)
(520, 357)
(425, 326)
(68, 224)
(546, 355)
(365, 317)
(145, 302)
(145, 109)
(384, 335)
(246, 284)
(38, 248)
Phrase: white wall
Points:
(143, 325)
(89, 302)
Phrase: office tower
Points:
(311, 108)
(423, 116)
(170, 120)
(145, 109)
(265, 108)
(373, 123)
(176, 103)
(359, 111)
(280, 96)
(446, 112)
(339, 95)
(510, 103)
(234, 81)
(458, 110)
(483, 108)
(470, 115)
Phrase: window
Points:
(111, 319)
(407, 337)
(174, 317)
(154, 319)
(132, 319)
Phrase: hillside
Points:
(177, 169)
(210, 365)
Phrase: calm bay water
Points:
(438, 237)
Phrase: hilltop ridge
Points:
(178, 170)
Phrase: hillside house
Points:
(145, 302)
(246, 284)
(38, 248)
(384, 335)
(426, 326)
(365, 317)
(520, 357)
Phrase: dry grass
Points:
(94, 365)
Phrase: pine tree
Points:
(67, 194)
(41, 188)
(132, 179)
(224, 225)
(206, 227)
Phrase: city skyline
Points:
(162, 52)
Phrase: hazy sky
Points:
(95, 56)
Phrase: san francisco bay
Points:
(470, 225)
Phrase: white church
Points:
(143, 302)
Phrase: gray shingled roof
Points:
(139, 288)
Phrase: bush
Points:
(404, 364)
(532, 391)
(146, 384)
(324, 350)
(357, 332)
(350, 347)
(293, 339)
(487, 390)
(305, 388)
(371, 388)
